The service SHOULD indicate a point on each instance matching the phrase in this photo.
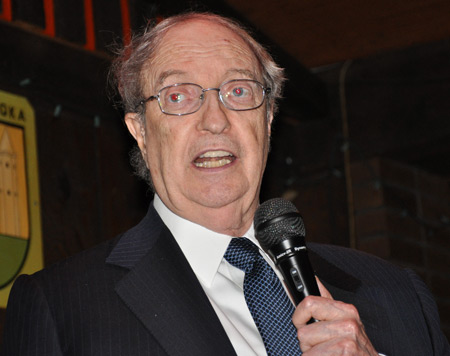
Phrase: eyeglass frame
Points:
(266, 91)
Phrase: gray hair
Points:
(127, 71)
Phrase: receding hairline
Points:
(239, 32)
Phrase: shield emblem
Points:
(20, 223)
(14, 226)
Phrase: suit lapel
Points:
(163, 292)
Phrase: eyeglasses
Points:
(187, 98)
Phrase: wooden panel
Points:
(68, 182)
(398, 105)
(67, 74)
(31, 12)
(319, 32)
(123, 196)
(69, 21)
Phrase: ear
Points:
(137, 130)
(269, 121)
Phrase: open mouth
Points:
(214, 159)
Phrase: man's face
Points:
(207, 166)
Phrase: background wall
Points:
(361, 144)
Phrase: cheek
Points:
(157, 140)
(256, 143)
(158, 131)
(165, 145)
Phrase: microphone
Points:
(280, 230)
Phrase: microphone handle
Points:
(291, 258)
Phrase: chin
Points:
(218, 198)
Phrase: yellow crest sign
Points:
(20, 220)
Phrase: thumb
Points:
(323, 291)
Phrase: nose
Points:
(213, 115)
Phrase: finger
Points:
(323, 291)
(322, 308)
(331, 347)
(319, 333)
(338, 346)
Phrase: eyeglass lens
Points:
(187, 98)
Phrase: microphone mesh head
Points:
(277, 231)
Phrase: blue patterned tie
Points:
(266, 299)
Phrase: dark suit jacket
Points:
(137, 295)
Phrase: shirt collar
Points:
(203, 248)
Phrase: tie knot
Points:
(242, 253)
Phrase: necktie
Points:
(266, 299)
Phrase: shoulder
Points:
(366, 276)
(109, 256)
(100, 266)
(77, 272)
(377, 285)
(361, 265)
(336, 253)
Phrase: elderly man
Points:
(200, 95)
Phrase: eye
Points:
(176, 97)
(239, 91)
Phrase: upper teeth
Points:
(215, 154)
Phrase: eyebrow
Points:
(164, 75)
(246, 72)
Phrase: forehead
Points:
(200, 47)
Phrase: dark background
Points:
(361, 143)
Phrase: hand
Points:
(339, 331)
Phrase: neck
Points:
(232, 220)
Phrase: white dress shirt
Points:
(223, 283)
